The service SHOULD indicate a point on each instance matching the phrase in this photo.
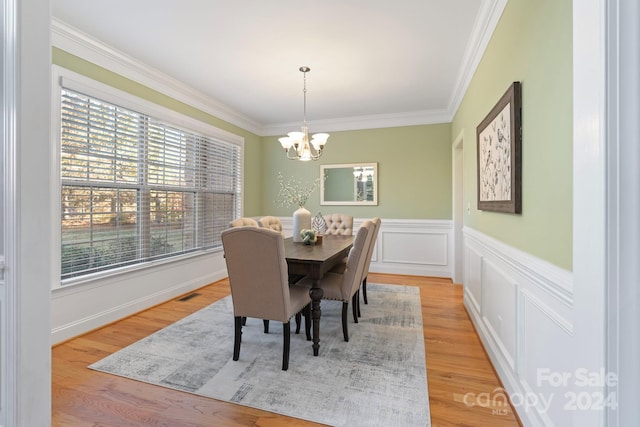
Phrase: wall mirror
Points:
(349, 184)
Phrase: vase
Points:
(301, 220)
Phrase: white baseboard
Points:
(78, 309)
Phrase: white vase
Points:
(301, 220)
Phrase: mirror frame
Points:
(324, 168)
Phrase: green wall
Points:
(252, 145)
(414, 169)
(532, 44)
(414, 162)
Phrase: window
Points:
(135, 188)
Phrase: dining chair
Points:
(340, 267)
(270, 222)
(372, 244)
(345, 287)
(273, 223)
(243, 222)
(339, 224)
(257, 271)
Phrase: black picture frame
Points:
(499, 155)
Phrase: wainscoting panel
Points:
(542, 370)
(473, 282)
(417, 247)
(522, 308)
(408, 246)
(499, 309)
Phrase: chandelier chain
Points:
(304, 96)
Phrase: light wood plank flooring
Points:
(456, 365)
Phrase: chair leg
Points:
(356, 301)
(244, 321)
(364, 290)
(354, 304)
(287, 340)
(266, 325)
(298, 321)
(237, 337)
(307, 321)
(345, 328)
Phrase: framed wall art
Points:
(500, 155)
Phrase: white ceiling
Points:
(403, 61)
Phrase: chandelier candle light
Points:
(296, 145)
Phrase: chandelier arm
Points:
(293, 158)
(295, 151)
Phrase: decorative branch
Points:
(294, 191)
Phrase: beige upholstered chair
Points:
(340, 224)
(344, 287)
(243, 222)
(340, 268)
(259, 287)
(270, 222)
(376, 223)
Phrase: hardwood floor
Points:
(458, 370)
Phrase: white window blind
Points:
(136, 189)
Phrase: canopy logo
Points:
(580, 389)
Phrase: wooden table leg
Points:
(316, 294)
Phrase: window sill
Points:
(118, 274)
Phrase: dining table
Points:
(314, 261)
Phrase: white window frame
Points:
(63, 77)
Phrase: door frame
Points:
(457, 190)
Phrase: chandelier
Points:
(297, 145)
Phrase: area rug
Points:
(378, 378)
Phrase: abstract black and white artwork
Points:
(499, 155)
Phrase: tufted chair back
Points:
(270, 222)
(243, 222)
(339, 224)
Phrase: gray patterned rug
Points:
(378, 378)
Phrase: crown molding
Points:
(483, 28)
(77, 43)
(374, 121)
